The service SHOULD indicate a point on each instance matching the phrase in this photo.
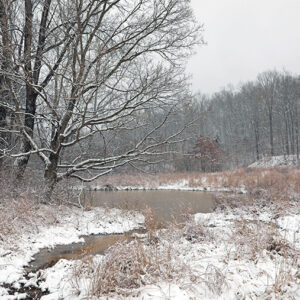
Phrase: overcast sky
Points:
(244, 37)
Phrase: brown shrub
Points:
(129, 266)
(251, 238)
(21, 208)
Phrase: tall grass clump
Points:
(128, 266)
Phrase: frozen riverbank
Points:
(240, 251)
(69, 226)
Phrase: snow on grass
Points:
(232, 253)
(240, 180)
(182, 185)
(290, 226)
(68, 229)
(237, 252)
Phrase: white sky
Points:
(244, 37)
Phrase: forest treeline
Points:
(240, 125)
(229, 129)
(259, 118)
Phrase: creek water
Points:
(166, 206)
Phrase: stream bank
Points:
(239, 246)
(77, 232)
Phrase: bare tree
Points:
(268, 82)
(92, 67)
(252, 109)
(287, 94)
(5, 64)
(255, 118)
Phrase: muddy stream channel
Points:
(166, 206)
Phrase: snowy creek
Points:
(166, 205)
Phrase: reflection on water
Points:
(93, 244)
(166, 205)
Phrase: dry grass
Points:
(63, 195)
(187, 227)
(14, 214)
(129, 266)
(250, 177)
(17, 208)
(283, 278)
(23, 214)
(251, 238)
(277, 183)
(21, 209)
(151, 225)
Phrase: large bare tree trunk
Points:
(271, 132)
(30, 109)
(32, 76)
(2, 134)
(257, 143)
(21, 162)
(4, 95)
(50, 177)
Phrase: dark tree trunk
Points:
(286, 141)
(21, 162)
(50, 176)
(297, 132)
(4, 94)
(32, 79)
(257, 143)
(271, 133)
(26, 147)
(2, 134)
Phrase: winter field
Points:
(103, 104)
(247, 248)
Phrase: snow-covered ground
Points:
(226, 263)
(245, 249)
(181, 185)
(244, 252)
(70, 226)
(274, 161)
